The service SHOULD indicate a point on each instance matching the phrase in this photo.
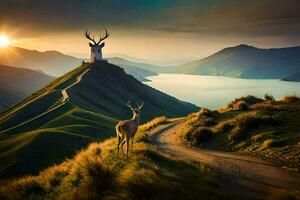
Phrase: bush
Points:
(153, 123)
(237, 134)
(204, 112)
(244, 101)
(291, 99)
(245, 123)
(270, 143)
(269, 97)
(241, 105)
(198, 136)
(143, 137)
(224, 126)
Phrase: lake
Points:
(216, 91)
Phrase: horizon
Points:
(147, 61)
(161, 31)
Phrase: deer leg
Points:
(127, 144)
(119, 140)
(132, 144)
(122, 144)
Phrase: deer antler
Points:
(129, 105)
(106, 36)
(140, 106)
(87, 35)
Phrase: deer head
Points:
(96, 47)
(136, 110)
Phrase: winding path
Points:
(256, 177)
(65, 99)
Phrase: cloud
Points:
(210, 17)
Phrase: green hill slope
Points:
(81, 106)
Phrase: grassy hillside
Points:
(261, 127)
(73, 110)
(245, 61)
(18, 83)
(96, 173)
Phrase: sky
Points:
(160, 31)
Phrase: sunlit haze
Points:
(4, 41)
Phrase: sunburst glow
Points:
(4, 41)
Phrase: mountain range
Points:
(244, 61)
(293, 77)
(73, 110)
(57, 64)
(18, 83)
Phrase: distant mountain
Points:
(50, 62)
(75, 109)
(245, 61)
(138, 70)
(57, 64)
(123, 62)
(18, 83)
(294, 77)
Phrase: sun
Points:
(4, 41)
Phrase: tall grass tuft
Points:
(269, 98)
(291, 99)
(247, 122)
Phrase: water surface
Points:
(216, 91)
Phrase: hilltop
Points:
(244, 61)
(18, 83)
(73, 110)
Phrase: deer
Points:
(127, 129)
(96, 47)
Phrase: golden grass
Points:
(291, 99)
(96, 173)
(154, 123)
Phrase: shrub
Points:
(248, 100)
(143, 137)
(21, 188)
(204, 112)
(270, 143)
(269, 97)
(237, 134)
(241, 105)
(198, 136)
(291, 99)
(246, 122)
(153, 123)
(224, 126)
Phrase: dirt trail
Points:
(260, 178)
(65, 99)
